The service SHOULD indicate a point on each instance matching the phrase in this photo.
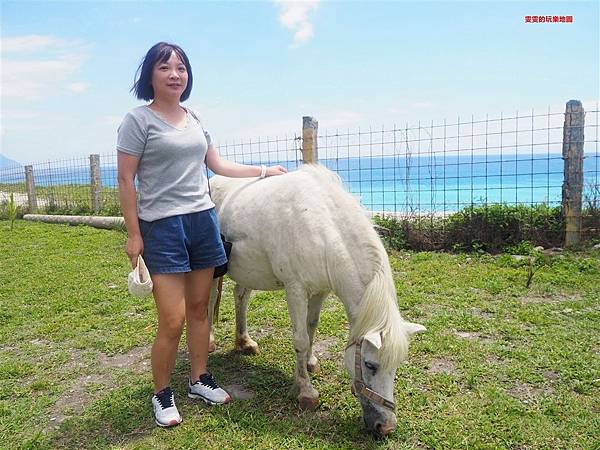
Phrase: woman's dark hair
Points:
(159, 53)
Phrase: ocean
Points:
(419, 183)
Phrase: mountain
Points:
(7, 162)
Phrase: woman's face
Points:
(169, 78)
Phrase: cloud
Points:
(15, 120)
(33, 80)
(334, 119)
(293, 15)
(38, 66)
(79, 87)
(590, 105)
(329, 120)
(30, 43)
(20, 115)
(397, 110)
(113, 120)
(422, 105)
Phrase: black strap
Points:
(203, 131)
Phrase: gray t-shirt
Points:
(171, 172)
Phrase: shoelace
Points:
(165, 398)
(208, 380)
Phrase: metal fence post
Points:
(572, 187)
(30, 184)
(96, 183)
(310, 126)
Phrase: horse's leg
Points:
(312, 320)
(243, 341)
(211, 314)
(297, 301)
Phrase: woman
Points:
(173, 224)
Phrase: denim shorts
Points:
(183, 243)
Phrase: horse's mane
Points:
(379, 313)
(378, 310)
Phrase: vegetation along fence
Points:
(494, 180)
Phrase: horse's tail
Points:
(379, 313)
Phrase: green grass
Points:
(501, 366)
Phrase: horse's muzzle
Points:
(379, 421)
(385, 428)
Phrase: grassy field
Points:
(501, 366)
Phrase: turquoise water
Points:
(440, 184)
(406, 184)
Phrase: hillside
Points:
(7, 162)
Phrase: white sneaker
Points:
(165, 411)
(207, 389)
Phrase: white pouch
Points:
(139, 281)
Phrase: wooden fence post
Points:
(96, 183)
(310, 127)
(30, 185)
(572, 187)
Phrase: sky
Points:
(259, 66)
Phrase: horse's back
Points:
(291, 226)
(296, 196)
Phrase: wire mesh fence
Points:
(63, 186)
(442, 167)
(423, 170)
(285, 150)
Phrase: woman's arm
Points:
(126, 169)
(221, 166)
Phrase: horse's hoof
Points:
(308, 403)
(314, 368)
(247, 348)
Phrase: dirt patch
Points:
(474, 336)
(442, 365)
(261, 332)
(74, 400)
(493, 359)
(136, 359)
(88, 388)
(239, 392)
(483, 314)
(322, 346)
(527, 393)
(548, 299)
(550, 375)
(416, 444)
(76, 360)
(426, 311)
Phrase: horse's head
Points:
(372, 381)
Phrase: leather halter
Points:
(358, 385)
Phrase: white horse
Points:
(304, 233)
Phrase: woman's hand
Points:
(134, 247)
(223, 167)
(276, 170)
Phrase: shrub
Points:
(494, 227)
(396, 232)
(490, 228)
(9, 210)
(591, 214)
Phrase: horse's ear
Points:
(374, 338)
(414, 328)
